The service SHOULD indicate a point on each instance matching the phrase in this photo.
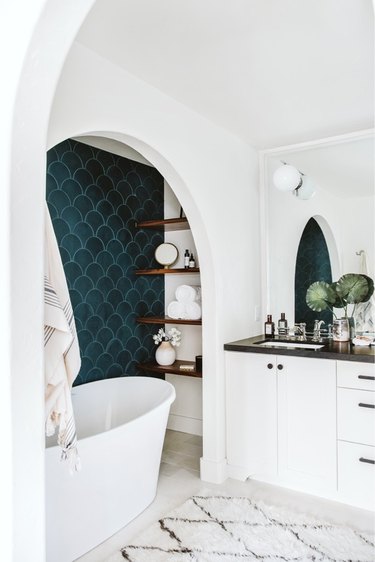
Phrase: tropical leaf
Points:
(320, 295)
(339, 302)
(352, 287)
(370, 288)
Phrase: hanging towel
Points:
(364, 312)
(62, 359)
(188, 293)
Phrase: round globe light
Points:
(286, 178)
(307, 189)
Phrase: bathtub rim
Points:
(167, 401)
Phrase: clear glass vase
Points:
(341, 329)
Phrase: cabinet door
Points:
(251, 412)
(307, 423)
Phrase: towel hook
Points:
(360, 252)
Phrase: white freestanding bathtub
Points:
(121, 426)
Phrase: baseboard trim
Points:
(238, 472)
(214, 472)
(185, 424)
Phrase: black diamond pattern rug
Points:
(233, 529)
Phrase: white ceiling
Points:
(273, 72)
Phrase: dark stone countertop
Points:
(341, 351)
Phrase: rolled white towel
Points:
(363, 340)
(188, 293)
(176, 310)
(193, 311)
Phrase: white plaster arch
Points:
(207, 274)
(38, 34)
(42, 44)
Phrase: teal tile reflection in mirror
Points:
(95, 198)
(312, 264)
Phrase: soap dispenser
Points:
(282, 325)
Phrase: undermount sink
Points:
(303, 345)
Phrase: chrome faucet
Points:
(317, 325)
(300, 330)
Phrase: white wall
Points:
(214, 176)
(357, 233)
(186, 412)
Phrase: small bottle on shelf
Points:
(269, 326)
(282, 325)
(186, 259)
(191, 261)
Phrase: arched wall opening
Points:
(97, 191)
(199, 160)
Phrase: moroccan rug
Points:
(234, 529)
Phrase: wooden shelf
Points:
(167, 270)
(165, 224)
(173, 369)
(167, 320)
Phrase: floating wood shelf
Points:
(167, 320)
(165, 224)
(173, 369)
(167, 270)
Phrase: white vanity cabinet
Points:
(281, 420)
(307, 423)
(356, 433)
(251, 408)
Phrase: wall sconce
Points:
(288, 178)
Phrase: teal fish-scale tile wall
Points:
(94, 199)
(312, 264)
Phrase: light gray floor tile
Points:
(177, 482)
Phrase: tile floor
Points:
(179, 479)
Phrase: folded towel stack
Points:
(187, 304)
(363, 340)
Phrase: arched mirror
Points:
(312, 264)
(321, 232)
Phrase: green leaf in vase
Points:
(352, 287)
(320, 295)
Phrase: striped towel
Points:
(61, 352)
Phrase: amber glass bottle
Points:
(282, 325)
(269, 326)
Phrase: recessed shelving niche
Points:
(168, 225)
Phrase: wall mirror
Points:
(326, 233)
(166, 254)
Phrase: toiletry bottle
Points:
(191, 261)
(282, 325)
(269, 326)
(186, 259)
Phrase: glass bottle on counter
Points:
(269, 326)
(282, 325)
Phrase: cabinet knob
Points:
(280, 367)
(269, 366)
